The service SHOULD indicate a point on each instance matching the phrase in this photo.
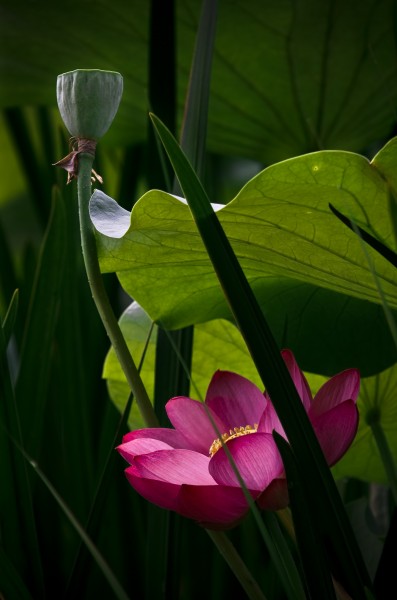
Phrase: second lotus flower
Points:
(186, 469)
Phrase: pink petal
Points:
(142, 441)
(191, 419)
(161, 493)
(235, 399)
(270, 421)
(298, 378)
(175, 466)
(256, 457)
(212, 505)
(335, 430)
(170, 436)
(341, 387)
(215, 507)
(129, 450)
(275, 496)
(179, 480)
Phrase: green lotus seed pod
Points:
(88, 100)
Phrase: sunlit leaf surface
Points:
(308, 270)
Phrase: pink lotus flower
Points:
(186, 469)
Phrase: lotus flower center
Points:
(233, 433)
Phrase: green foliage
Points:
(287, 79)
(309, 273)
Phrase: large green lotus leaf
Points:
(308, 270)
(288, 77)
(219, 345)
(293, 77)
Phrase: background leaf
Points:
(287, 78)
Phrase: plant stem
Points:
(233, 559)
(386, 456)
(100, 296)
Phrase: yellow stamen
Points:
(233, 433)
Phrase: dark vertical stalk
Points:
(162, 577)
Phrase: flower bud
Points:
(88, 100)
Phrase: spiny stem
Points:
(100, 296)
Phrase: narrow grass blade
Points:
(37, 347)
(383, 250)
(10, 317)
(119, 592)
(194, 127)
(275, 376)
(294, 583)
(94, 518)
(11, 583)
(8, 279)
(385, 573)
(227, 550)
(313, 557)
(20, 130)
(18, 529)
(160, 580)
